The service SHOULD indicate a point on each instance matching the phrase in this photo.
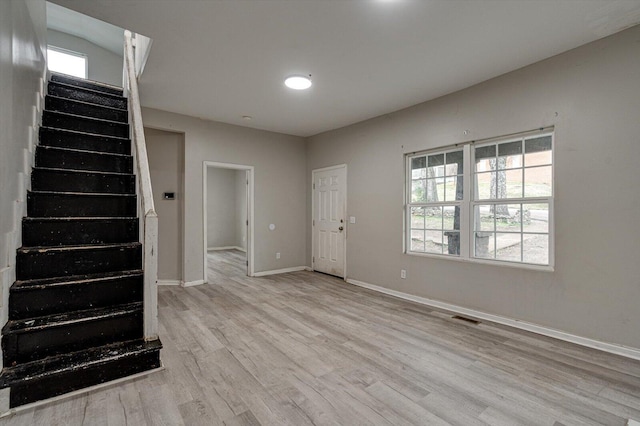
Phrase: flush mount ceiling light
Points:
(298, 82)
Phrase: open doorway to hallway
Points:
(228, 213)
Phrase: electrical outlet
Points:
(277, 255)
(403, 273)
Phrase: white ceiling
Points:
(224, 59)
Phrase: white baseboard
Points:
(169, 282)
(192, 283)
(226, 248)
(625, 351)
(282, 271)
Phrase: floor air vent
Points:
(465, 319)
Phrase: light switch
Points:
(352, 219)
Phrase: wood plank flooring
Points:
(305, 348)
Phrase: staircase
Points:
(76, 308)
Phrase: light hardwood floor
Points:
(305, 348)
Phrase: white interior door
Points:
(329, 220)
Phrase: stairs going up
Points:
(75, 310)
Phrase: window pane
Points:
(483, 152)
(510, 148)
(452, 243)
(418, 162)
(510, 155)
(453, 188)
(484, 189)
(418, 191)
(435, 165)
(419, 168)
(537, 158)
(67, 63)
(507, 217)
(536, 249)
(535, 217)
(537, 182)
(417, 217)
(417, 240)
(509, 247)
(483, 218)
(509, 184)
(451, 218)
(454, 163)
(484, 248)
(433, 216)
(435, 190)
(433, 242)
(542, 143)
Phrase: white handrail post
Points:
(146, 210)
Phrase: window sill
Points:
(525, 266)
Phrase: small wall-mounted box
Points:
(169, 196)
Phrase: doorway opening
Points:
(227, 220)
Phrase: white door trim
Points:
(346, 221)
(250, 211)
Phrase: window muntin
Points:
(505, 217)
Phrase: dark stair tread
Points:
(84, 117)
(84, 82)
(73, 361)
(82, 151)
(84, 172)
(46, 249)
(60, 320)
(63, 98)
(40, 283)
(86, 89)
(63, 120)
(77, 101)
(81, 133)
(79, 218)
(88, 194)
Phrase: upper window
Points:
(66, 62)
(505, 214)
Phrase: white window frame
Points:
(468, 203)
(72, 53)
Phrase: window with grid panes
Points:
(504, 216)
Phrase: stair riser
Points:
(75, 336)
(87, 84)
(83, 124)
(63, 205)
(60, 139)
(86, 96)
(59, 384)
(64, 263)
(48, 180)
(85, 109)
(58, 299)
(78, 232)
(79, 160)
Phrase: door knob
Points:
(340, 229)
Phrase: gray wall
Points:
(592, 97)
(104, 65)
(280, 187)
(166, 164)
(22, 76)
(221, 207)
